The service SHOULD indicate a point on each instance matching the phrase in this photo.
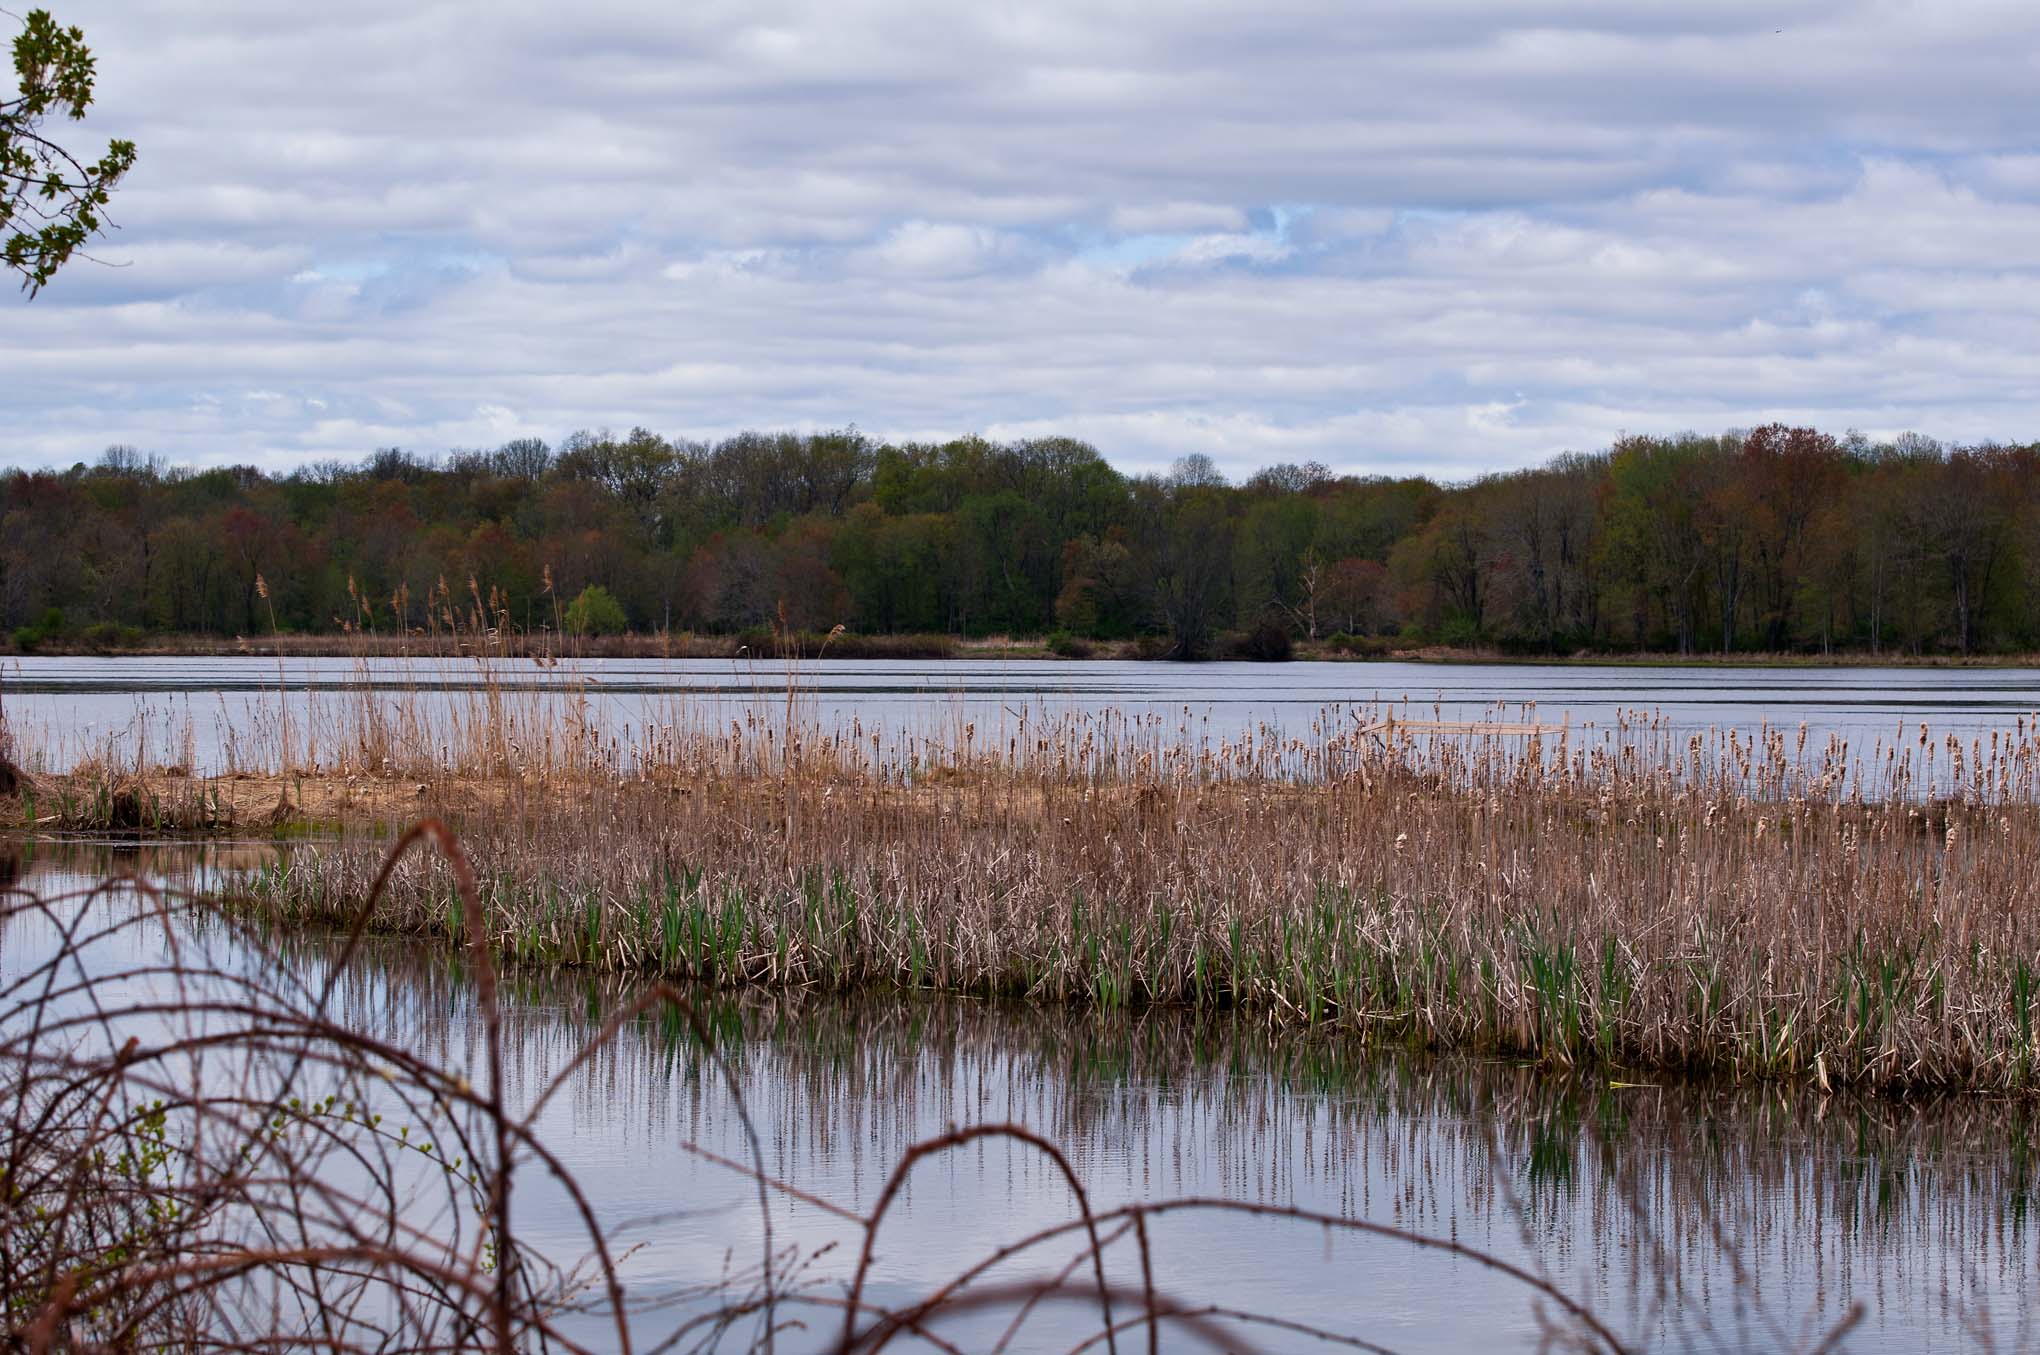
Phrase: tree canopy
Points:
(1774, 539)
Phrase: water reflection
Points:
(63, 865)
(1921, 1212)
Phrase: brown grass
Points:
(1627, 897)
(199, 1154)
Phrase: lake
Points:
(194, 710)
(1920, 1212)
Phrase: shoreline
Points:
(944, 648)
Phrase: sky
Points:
(1445, 238)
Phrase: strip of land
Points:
(765, 646)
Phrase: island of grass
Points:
(1627, 899)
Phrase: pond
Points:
(198, 710)
(1722, 1217)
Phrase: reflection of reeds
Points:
(202, 1152)
(1837, 1194)
(196, 1156)
(1630, 896)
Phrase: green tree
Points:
(1653, 541)
(1449, 565)
(1273, 558)
(51, 202)
(595, 611)
(1106, 592)
(1192, 571)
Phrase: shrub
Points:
(1064, 645)
(848, 646)
(1267, 642)
(51, 627)
(104, 635)
(596, 612)
(1459, 632)
(1364, 646)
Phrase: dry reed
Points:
(1629, 896)
(199, 1154)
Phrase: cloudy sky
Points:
(1447, 237)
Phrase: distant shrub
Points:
(1266, 642)
(1064, 645)
(1460, 632)
(105, 635)
(848, 646)
(596, 612)
(52, 626)
(1362, 646)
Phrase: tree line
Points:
(1774, 539)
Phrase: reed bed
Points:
(1634, 896)
(202, 1152)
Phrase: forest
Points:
(1774, 540)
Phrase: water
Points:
(1921, 1213)
(197, 710)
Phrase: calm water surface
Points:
(1645, 1199)
(197, 708)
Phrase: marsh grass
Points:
(1635, 896)
(202, 1152)
(94, 800)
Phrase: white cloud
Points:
(1175, 218)
(935, 250)
(1451, 237)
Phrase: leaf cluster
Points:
(52, 202)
